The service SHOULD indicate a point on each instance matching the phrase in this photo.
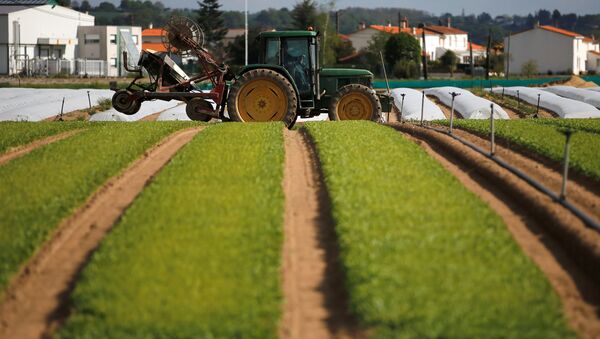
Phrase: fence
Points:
(77, 67)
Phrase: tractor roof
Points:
(288, 34)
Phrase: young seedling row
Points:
(345, 229)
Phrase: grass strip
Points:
(423, 256)
(522, 107)
(198, 253)
(544, 139)
(37, 191)
(13, 134)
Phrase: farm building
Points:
(438, 39)
(105, 44)
(37, 31)
(554, 50)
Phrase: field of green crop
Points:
(423, 256)
(586, 125)
(544, 139)
(38, 190)
(198, 253)
(13, 134)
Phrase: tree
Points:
(106, 7)
(556, 17)
(211, 19)
(402, 46)
(530, 68)
(64, 3)
(237, 49)
(85, 6)
(75, 5)
(484, 18)
(450, 60)
(304, 14)
(544, 17)
(406, 69)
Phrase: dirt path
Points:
(445, 109)
(22, 150)
(315, 301)
(542, 228)
(36, 302)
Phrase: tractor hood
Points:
(345, 73)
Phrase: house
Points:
(31, 30)
(438, 39)
(593, 62)
(554, 50)
(107, 44)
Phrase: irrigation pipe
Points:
(589, 221)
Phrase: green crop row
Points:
(544, 139)
(198, 253)
(585, 125)
(13, 134)
(38, 190)
(423, 256)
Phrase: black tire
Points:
(194, 109)
(368, 108)
(279, 102)
(123, 102)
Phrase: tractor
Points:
(287, 83)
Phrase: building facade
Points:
(38, 32)
(552, 49)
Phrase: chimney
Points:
(362, 25)
(449, 22)
(404, 23)
(389, 23)
(537, 24)
(151, 26)
(440, 22)
(414, 31)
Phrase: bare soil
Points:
(22, 150)
(314, 295)
(445, 109)
(564, 249)
(36, 302)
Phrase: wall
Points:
(551, 51)
(360, 39)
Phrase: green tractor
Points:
(287, 83)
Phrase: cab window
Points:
(272, 52)
(296, 60)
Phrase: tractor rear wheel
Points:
(198, 109)
(355, 102)
(263, 95)
(123, 102)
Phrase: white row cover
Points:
(579, 94)
(467, 104)
(595, 89)
(32, 104)
(411, 110)
(565, 108)
(148, 108)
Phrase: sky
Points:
(494, 7)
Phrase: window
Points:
(90, 39)
(113, 62)
(295, 60)
(135, 39)
(272, 52)
(113, 39)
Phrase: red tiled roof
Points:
(445, 30)
(394, 29)
(153, 32)
(565, 32)
(351, 56)
(477, 47)
(344, 37)
(594, 52)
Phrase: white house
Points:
(438, 39)
(37, 32)
(107, 44)
(553, 50)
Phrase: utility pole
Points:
(487, 61)
(472, 62)
(507, 56)
(246, 24)
(422, 27)
(337, 22)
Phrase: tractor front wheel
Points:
(124, 103)
(263, 95)
(355, 102)
(198, 109)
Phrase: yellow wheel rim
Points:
(262, 100)
(355, 106)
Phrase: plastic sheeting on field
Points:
(595, 89)
(467, 104)
(411, 110)
(579, 94)
(564, 107)
(176, 113)
(32, 104)
(148, 108)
